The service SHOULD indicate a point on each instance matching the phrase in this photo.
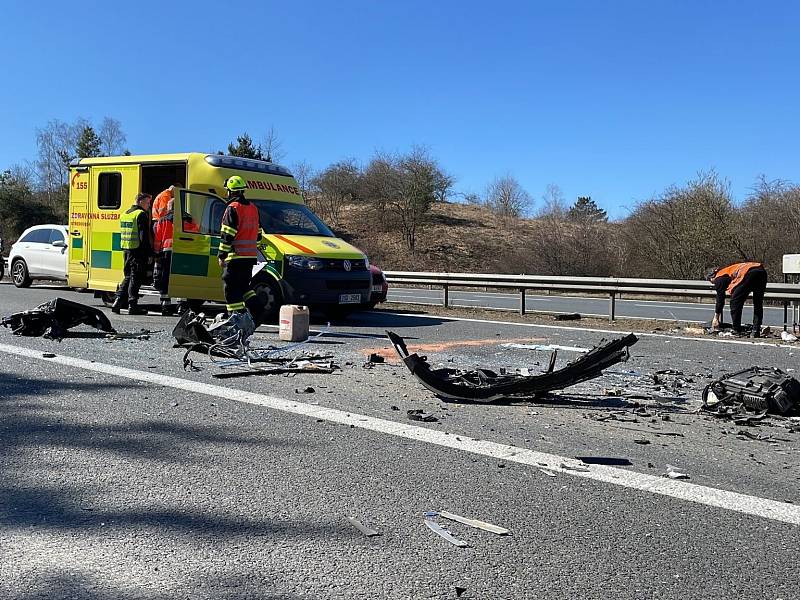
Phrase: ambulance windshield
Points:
(288, 218)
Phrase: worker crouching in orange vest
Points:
(739, 280)
(240, 233)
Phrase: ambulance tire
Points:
(19, 274)
(270, 297)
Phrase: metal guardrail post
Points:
(446, 295)
(612, 306)
(522, 301)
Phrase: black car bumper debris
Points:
(483, 385)
(52, 319)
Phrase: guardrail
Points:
(612, 286)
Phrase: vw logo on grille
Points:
(346, 264)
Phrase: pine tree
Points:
(586, 209)
(88, 145)
(245, 148)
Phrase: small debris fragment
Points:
(420, 415)
(674, 473)
(48, 355)
(473, 523)
(642, 442)
(395, 407)
(604, 460)
(548, 473)
(567, 317)
(362, 528)
(376, 359)
(442, 532)
(306, 390)
(460, 591)
(788, 337)
(579, 468)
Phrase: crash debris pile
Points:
(758, 389)
(484, 385)
(229, 339)
(52, 319)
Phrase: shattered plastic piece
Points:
(483, 385)
(443, 533)
(674, 473)
(579, 468)
(420, 415)
(641, 442)
(474, 523)
(757, 388)
(567, 317)
(376, 358)
(788, 337)
(52, 319)
(460, 591)
(305, 390)
(48, 355)
(548, 473)
(604, 460)
(362, 528)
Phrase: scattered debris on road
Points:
(420, 415)
(483, 385)
(567, 317)
(442, 532)
(471, 522)
(581, 468)
(605, 460)
(52, 319)
(362, 528)
(675, 473)
(376, 358)
(757, 389)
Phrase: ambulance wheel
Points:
(108, 298)
(19, 274)
(269, 296)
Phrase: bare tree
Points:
(272, 146)
(112, 138)
(337, 186)
(303, 173)
(442, 184)
(506, 197)
(56, 143)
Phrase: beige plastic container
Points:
(293, 323)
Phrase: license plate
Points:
(349, 298)
(377, 288)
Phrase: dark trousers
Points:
(135, 270)
(162, 284)
(755, 282)
(236, 276)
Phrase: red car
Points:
(379, 287)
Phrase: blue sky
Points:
(615, 99)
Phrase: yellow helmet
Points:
(234, 183)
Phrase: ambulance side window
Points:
(109, 191)
(201, 213)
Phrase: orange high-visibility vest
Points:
(163, 237)
(159, 208)
(244, 244)
(737, 272)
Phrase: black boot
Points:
(167, 308)
(119, 304)
(135, 309)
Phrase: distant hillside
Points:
(457, 237)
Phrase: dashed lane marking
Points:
(681, 490)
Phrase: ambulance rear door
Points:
(78, 243)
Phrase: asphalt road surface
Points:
(126, 476)
(642, 309)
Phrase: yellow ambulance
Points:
(302, 261)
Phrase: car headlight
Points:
(303, 262)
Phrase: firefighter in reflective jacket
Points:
(135, 242)
(739, 280)
(239, 236)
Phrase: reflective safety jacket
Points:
(163, 235)
(134, 229)
(240, 231)
(159, 208)
(736, 272)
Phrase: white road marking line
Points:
(545, 347)
(681, 490)
(616, 333)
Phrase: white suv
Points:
(40, 253)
